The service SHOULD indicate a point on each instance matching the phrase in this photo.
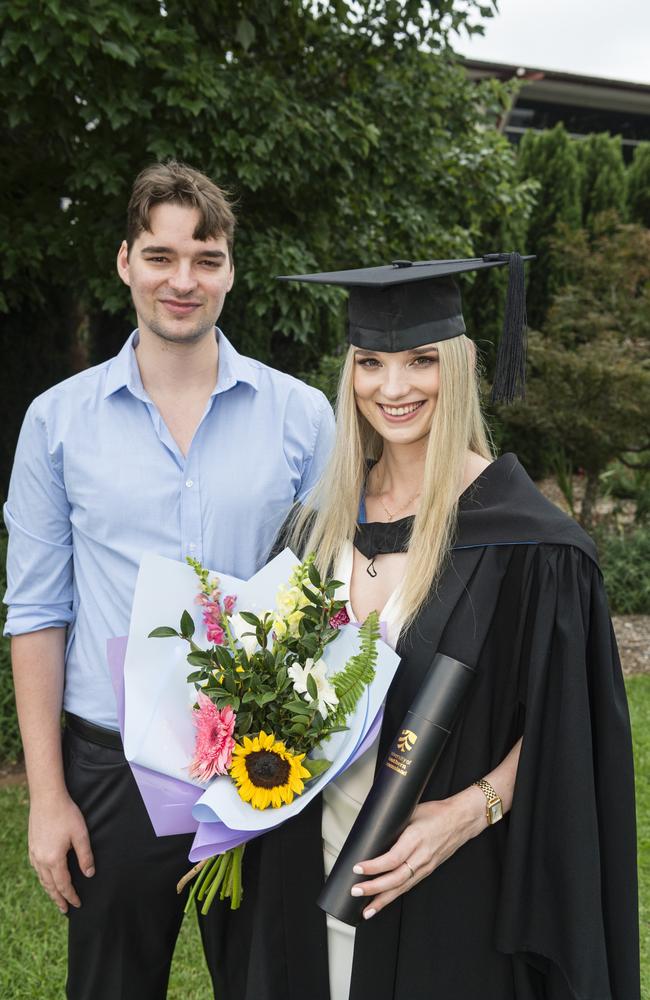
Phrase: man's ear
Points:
(123, 263)
(231, 280)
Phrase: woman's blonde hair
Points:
(329, 518)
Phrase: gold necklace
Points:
(400, 509)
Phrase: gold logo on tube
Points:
(407, 740)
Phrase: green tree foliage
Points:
(549, 158)
(603, 181)
(638, 185)
(345, 129)
(588, 395)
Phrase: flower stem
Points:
(229, 635)
(236, 894)
(205, 883)
(220, 874)
(226, 885)
(202, 876)
(190, 875)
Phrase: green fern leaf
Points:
(359, 671)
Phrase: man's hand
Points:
(56, 826)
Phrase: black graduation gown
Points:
(541, 906)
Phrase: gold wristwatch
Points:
(494, 806)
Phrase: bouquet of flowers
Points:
(266, 705)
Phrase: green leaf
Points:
(223, 657)
(316, 766)
(244, 722)
(296, 707)
(199, 659)
(250, 619)
(359, 671)
(245, 33)
(229, 683)
(187, 625)
(314, 575)
(310, 643)
(164, 632)
(312, 690)
(265, 698)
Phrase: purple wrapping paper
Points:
(169, 801)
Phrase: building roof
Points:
(568, 88)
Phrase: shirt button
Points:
(189, 482)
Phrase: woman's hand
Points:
(436, 831)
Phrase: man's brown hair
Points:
(178, 184)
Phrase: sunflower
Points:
(265, 772)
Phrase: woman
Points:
(459, 554)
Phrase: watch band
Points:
(494, 806)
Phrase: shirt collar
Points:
(123, 371)
(233, 367)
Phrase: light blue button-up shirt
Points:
(98, 480)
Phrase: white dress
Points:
(343, 798)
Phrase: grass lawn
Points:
(32, 933)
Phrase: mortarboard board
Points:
(406, 304)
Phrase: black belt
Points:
(94, 734)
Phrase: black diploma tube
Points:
(399, 783)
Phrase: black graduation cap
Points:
(410, 303)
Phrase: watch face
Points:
(495, 811)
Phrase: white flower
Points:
(327, 698)
(238, 626)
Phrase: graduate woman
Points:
(515, 878)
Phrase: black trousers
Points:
(121, 940)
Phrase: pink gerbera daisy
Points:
(214, 739)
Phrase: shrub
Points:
(624, 560)
(326, 375)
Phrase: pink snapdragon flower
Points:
(340, 618)
(214, 739)
(229, 603)
(212, 615)
(216, 634)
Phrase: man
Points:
(178, 445)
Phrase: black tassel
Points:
(510, 371)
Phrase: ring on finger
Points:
(412, 875)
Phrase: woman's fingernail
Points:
(89, 872)
(358, 870)
(356, 890)
(367, 914)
